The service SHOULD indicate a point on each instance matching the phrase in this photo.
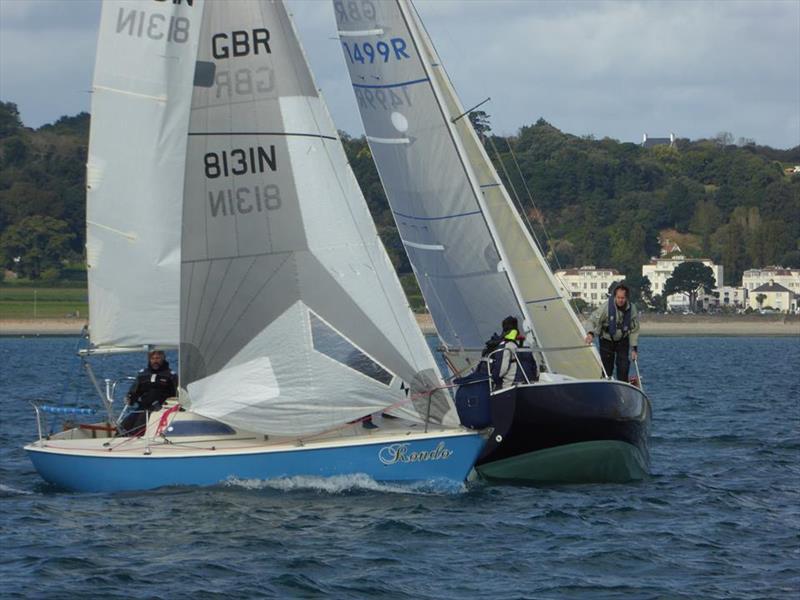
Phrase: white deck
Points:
(80, 441)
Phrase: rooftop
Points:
(771, 287)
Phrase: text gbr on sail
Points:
(240, 43)
(242, 81)
(243, 199)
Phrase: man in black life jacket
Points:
(154, 384)
(616, 323)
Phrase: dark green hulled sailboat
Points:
(477, 263)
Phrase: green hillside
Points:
(600, 202)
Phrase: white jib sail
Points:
(475, 260)
(137, 147)
(292, 318)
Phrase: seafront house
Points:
(723, 297)
(589, 283)
(788, 278)
(735, 297)
(772, 296)
(659, 270)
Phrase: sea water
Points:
(718, 518)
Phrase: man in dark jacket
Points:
(154, 384)
(616, 323)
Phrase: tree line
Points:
(589, 201)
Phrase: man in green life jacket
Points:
(616, 323)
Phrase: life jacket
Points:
(527, 369)
(625, 326)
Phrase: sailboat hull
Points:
(568, 431)
(89, 467)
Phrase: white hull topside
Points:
(82, 442)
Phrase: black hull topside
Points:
(568, 431)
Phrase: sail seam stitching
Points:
(277, 133)
(466, 214)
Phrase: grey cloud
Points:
(34, 16)
(613, 69)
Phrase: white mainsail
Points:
(137, 147)
(292, 318)
(474, 259)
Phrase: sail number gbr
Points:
(239, 161)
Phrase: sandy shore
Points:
(19, 327)
(691, 325)
(722, 327)
(675, 325)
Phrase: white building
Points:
(725, 296)
(735, 297)
(659, 270)
(589, 283)
(788, 278)
(651, 142)
(772, 295)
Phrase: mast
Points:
(485, 162)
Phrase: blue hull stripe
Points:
(449, 457)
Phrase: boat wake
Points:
(346, 484)
(6, 491)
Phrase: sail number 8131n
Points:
(239, 161)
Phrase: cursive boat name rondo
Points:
(398, 453)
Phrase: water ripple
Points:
(719, 517)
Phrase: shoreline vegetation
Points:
(651, 325)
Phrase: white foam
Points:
(12, 491)
(339, 484)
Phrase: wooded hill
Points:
(601, 202)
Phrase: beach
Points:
(696, 325)
(24, 327)
(660, 325)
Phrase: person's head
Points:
(621, 294)
(510, 323)
(156, 359)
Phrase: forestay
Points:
(292, 318)
(475, 260)
(137, 147)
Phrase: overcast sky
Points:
(616, 69)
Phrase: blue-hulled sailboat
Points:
(223, 220)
